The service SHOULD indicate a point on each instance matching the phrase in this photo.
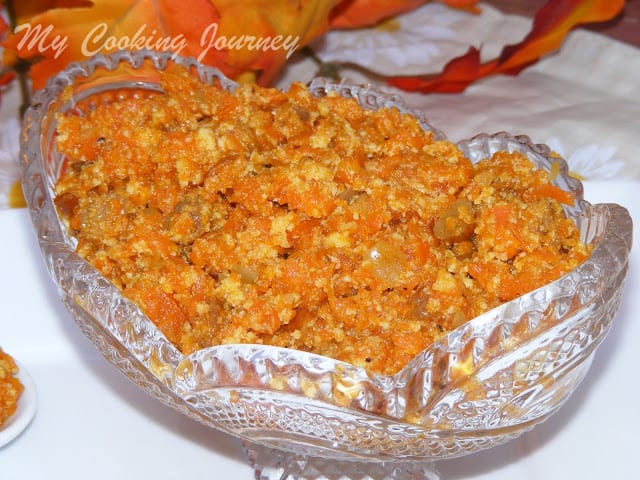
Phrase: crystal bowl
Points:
(483, 384)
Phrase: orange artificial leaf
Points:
(6, 76)
(16, 198)
(551, 25)
(363, 13)
(26, 9)
(297, 22)
(456, 76)
(59, 36)
(251, 38)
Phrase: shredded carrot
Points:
(10, 387)
(276, 218)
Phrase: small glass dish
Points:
(307, 416)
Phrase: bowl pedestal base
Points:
(272, 464)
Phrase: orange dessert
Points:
(10, 387)
(311, 223)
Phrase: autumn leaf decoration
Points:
(551, 25)
(102, 26)
(83, 27)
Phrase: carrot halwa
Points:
(10, 387)
(277, 218)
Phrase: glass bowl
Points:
(309, 416)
